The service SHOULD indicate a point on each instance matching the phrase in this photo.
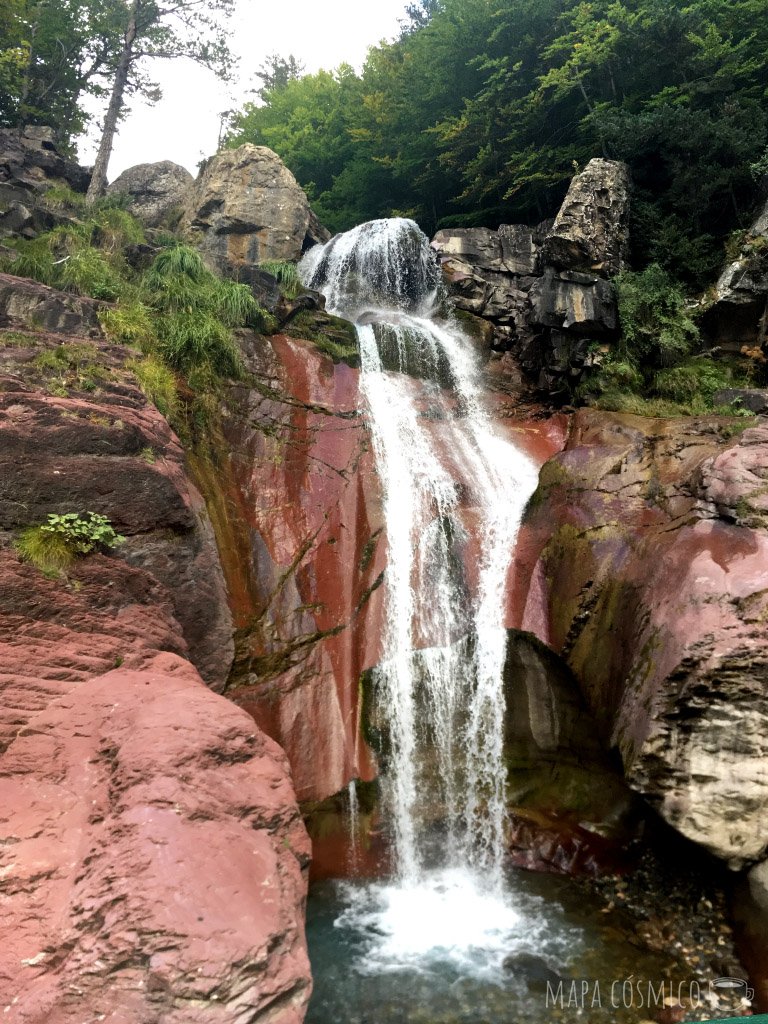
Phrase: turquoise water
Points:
(550, 952)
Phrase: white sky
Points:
(184, 125)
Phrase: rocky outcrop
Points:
(78, 434)
(29, 159)
(570, 809)
(30, 164)
(156, 192)
(545, 289)
(591, 230)
(246, 207)
(154, 860)
(646, 548)
(738, 316)
(30, 304)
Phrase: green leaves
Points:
(83, 532)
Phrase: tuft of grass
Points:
(48, 552)
(87, 271)
(286, 274)
(158, 382)
(697, 379)
(62, 197)
(18, 339)
(129, 323)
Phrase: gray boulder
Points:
(246, 207)
(30, 162)
(156, 191)
(739, 315)
(591, 231)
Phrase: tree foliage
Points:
(54, 54)
(478, 111)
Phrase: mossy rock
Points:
(330, 335)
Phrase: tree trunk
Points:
(98, 184)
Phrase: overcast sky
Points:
(184, 125)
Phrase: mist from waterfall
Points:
(453, 492)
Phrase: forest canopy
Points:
(481, 109)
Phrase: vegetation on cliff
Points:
(479, 111)
(159, 297)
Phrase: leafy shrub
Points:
(655, 326)
(158, 382)
(52, 546)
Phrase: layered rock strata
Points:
(546, 289)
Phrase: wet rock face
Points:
(156, 191)
(154, 867)
(648, 575)
(246, 207)
(294, 500)
(570, 809)
(545, 289)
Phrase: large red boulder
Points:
(153, 860)
(647, 550)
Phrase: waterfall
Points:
(453, 491)
(354, 824)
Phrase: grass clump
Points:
(196, 312)
(54, 545)
(84, 256)
(286, 274)
(129, 323)
(158, 382)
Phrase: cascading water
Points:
(454, 490)
(452, 937)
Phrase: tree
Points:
(276, 72)
(52, 54)
(155, 29)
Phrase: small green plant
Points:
(286, 274)
(54, 545)
(148, 455)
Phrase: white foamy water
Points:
(454, 490)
